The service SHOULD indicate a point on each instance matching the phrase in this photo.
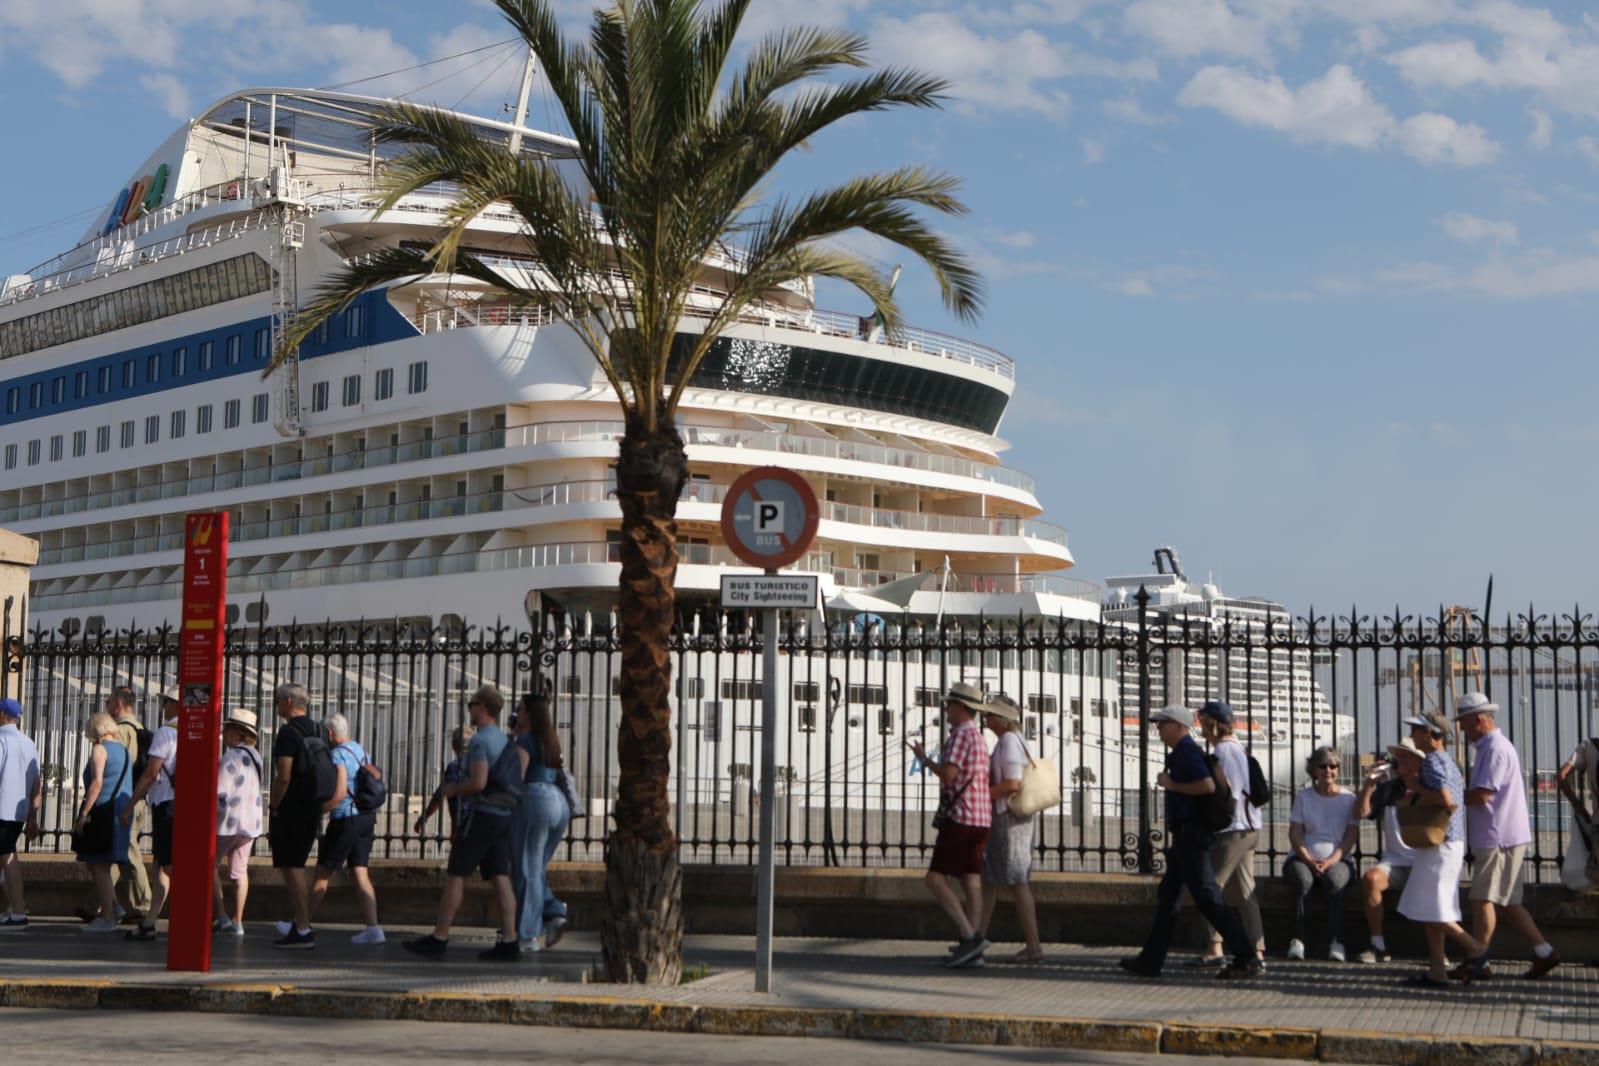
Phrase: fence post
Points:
(1146, 851)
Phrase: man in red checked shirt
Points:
(962, 821)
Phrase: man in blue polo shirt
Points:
(1187, 780)
(19, 807)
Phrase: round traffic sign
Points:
(769, 517)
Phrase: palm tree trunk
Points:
(642, 932)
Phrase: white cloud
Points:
(1129, 110)
(1093, 151)
(1534, 53)
(1435, 138)
(1188, 28)
(1588, 148)
(1543, 130)
(1012, 238)
(1336, 108)
(1134, 287)
(1016, 73)
(1537, 273)
(170, 91)
(1469, 229)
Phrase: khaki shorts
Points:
(1496, 876)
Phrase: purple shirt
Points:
(1502, 822)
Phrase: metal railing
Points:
(849, 698)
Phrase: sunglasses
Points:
(1327, 766)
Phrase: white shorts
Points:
(1398, 874)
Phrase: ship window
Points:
(127, 434)
(36, 395)
(417, 378)
(11, 456)
(13, 401)
(352, 390)
(319, 396)
(180, 362)
(102, 439)
(258, 407)
(178, 419)
(205, 356)
(152, 367)
(58, 390)
(263, 344)
(202, 418)
(80, 443)
(152, 429)
(383, 385)
(128, 372)
(33, 453)
(103, 385)
(354, 321)
(235, 345)
(320, 334)
(80, 385)
(230, 414)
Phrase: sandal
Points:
(140, 932)
(1025, 958)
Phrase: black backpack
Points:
(141, 758)
(1214, 812)
(313, 765)
(1259, 787)
(368, 792)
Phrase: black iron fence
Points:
(852, 696)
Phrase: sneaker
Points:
(101, 925)
(294, 940)
(221, 925)
(429, 947)
(236, 928)
(1541, 967)
(1296, 950)
(974, 963)
(1242, 971)
(1335, 951)
(502, 951)
(283, 928)
(13, 922)
(140, 932)
(554, 930)
(372, 934)
(1206, 962)
(1136, 965)
(969, 950)
(1371, 956)
(531, 945)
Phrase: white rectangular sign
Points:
(787, 592)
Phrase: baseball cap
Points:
(1181, 715)
(1433, 722)
(1474, 703)
(11, 707)
(1218, 710)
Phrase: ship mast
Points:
(519, 119)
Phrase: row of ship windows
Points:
(177, 426)
(106, 377)
(416, 380)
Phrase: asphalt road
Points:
(54, 1037)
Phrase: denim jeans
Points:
(1188, 866)
(537, 829)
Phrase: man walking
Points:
(1187, 780)
(484, 843)
(1498, 831)
(132, 879)
(19, 809)
(296, 807)
(965, 808)
(1233, 851)
(350, 834)
(155, 784)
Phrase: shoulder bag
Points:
(1040, 787)
(1422, 827)
(99, 834)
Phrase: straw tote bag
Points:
(1040, 787)
(1422, 827)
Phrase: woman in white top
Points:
(1321, 831)
(1008, 853)
(238, 816)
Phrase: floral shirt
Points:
(1440, 772)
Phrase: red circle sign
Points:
(769, 517)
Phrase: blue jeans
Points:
(1188, 866)
(538, 827)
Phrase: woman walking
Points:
(1008, 852)
(1321, 831)
(239, 816)
(538, 825)
(99, 837)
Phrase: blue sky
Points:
(1303, 287)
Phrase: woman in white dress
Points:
(1432, 895)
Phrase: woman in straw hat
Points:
(1008, 853)
(239, 817)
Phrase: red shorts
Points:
(959, 850)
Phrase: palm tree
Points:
(674, 148)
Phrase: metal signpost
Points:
(194, 831)
(769, 520)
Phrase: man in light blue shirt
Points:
(19, 808)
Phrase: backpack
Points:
(1215, 811)
(1259, 787)
(313, 764)
(141, 758)
(505, 785)
(368, 792)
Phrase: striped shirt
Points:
(968, 753)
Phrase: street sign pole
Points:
(769, 520)
(194, 830)
(767, 871)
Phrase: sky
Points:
(1295, 286)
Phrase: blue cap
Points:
(11, 707)
(1218, 710)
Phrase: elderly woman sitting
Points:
(1321, 831)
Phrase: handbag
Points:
(945, 813)
(1040, 788)
(1422, 827)
(568, 786)
(99, 834)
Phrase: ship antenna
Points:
(519, 119)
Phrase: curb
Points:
(609, 1012)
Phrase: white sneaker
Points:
(531, 945)
(554, 930)
(372, 934)
(285, 928)
(237, 928)
(1296, 949)
(100, 925)
(1335, 951)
